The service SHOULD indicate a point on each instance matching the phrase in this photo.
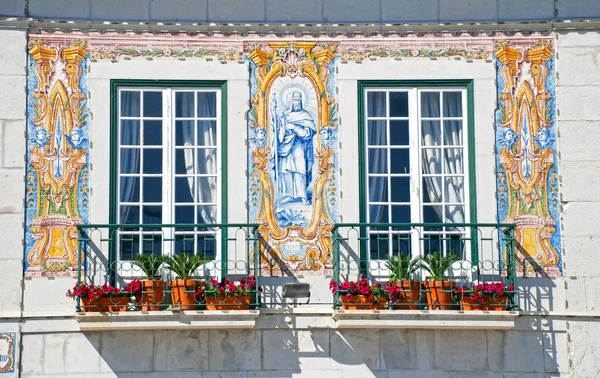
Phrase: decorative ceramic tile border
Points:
(8, 342)
(57, 156)
(526, 159)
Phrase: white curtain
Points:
(202, 189)
(450, 161)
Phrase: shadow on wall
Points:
(288, 352)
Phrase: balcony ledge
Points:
(160, 320)
(423, 319)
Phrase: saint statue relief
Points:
(293, 131)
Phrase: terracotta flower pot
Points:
(496, 303)
(407, 300)
(467, 304)
(361, 302)
(112, 303)
(153, 295)
(230, 302)
(183, 294)
(439, 295)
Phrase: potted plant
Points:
(227, 295)
(360, 295)
(153, 286)
(438, 290)
(404, 291)
(183, 288)
(103, 298)
(488, 296)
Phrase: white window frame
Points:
(415, 155)
(168, 166)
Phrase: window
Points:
(168, 165)
(414, 166)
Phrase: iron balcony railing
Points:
(468, 255)
(482, 253)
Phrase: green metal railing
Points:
(482, 253)
(106, 253)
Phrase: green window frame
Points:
(470, 195)
(115, 85)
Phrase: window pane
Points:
(151, 214)
(130, 160)
(130, 132)
(455, 214)
(432, 160)
(378, 214)
(184, 133)
(398, 104)
(184, 161)
(207, 161)
(430, 104)
(153, 104)
(453, 133)
(206, 214)
(129, 214)
(378, 191)
(184, 214)
(152, 189)
(432, 244)
(152, 244)
(431, 133)
(455, 245)
(207, 104)
(453, 163)
(377, 160)
(452, 104)
(184, 104)
(206, 246)
(153, 133)
(401, 244)
(129, 246)
(401, 214)
(379, 246)
(432, 189)
(400, 160)
(207, 133)
(184, 244)
(377, 133)
(399, 133)
(376, 104)
(130, 104)
(152, 160)
(207, 189)
(400, 189)
(454, 189)
(184, 190)
(432, 214)
(129, 189)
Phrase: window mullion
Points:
(415, 166)
(168, 158)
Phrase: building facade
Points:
(300, 143)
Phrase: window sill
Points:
(160, 320)
(423, 319)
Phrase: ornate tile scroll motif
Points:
(527, 169)
(292, 129)
(7, 352)
(57, 156)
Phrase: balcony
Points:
(458, 256)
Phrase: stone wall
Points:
(313, 11)
(532, 349)
(578, 88)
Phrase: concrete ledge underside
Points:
(425, 319)
(138, 320)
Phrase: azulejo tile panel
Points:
(292, 129)
(8, 344)
(57, 156)
(526, 154)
